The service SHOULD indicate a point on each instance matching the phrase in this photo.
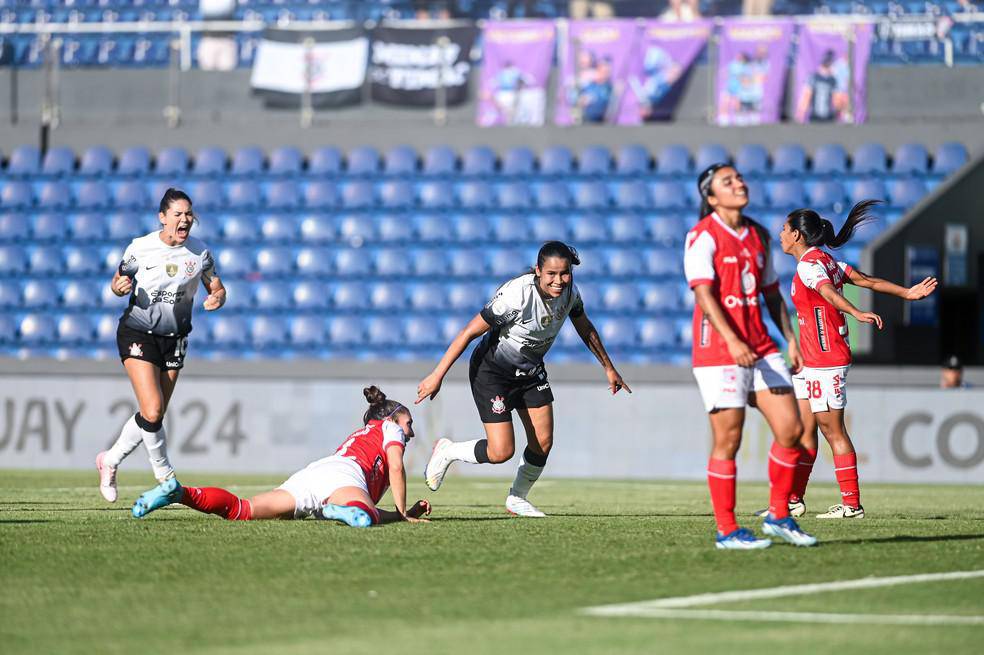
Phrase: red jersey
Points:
(738, 267)
(822, 328)
(367, 448)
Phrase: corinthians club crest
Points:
(171, 269)
(498, 405)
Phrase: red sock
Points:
(846, 470)
(213, 500)
(721, 475)
(782, 470)
(371, 511)
(807, 457)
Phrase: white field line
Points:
(803, 617)
(656, 607)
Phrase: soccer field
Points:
(81, 576)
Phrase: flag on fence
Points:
(751, 74)
(516, 60)
(831, 87)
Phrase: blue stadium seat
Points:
(82, 294)
(633, 159)
(949, 158)
(625, 262)
(310, 295)
(96, 161)
(553, 196)
(240, 294)
(784, 264)
(514, 196)
(55, 195)
(663, 262)
(786, 194)
(238, 228)
(325, 161)
(229, 331)
(621, 298)
(81, 261)
(396, 194)
(711, 153)
(867, 189)
(452, 326)
(134, 162)
(49, 227)
(357, 195)
(394, 228)
(38, 329)
(384, 331)
(16, 196)
(752, 159)
(507, 263)
(106, 325)
(826, 194)
(436, 194)
(556, 161)
(401, 160)
(320, 195)
(313, 262)
(268, 332)
(476, 195)
(124, 226)
(388, 296)
(661, 297)
(628, 228)
(14, 227)
(789, 159)
(479, 160)
(584, 228)
(433, 228)
(363, 160)
(10, 294)
(353, 262)
(248, 161)
(428, 297)
(911, 159)
(277, 228)
(210, 162)
(76, 329)
(40, 294)
(58, 162)
(519, 162)
(869, 158)
(550, 227)
(8, 329)
(274, 261)
(472, 228)
(287, 161)
(356, 229)
(595, 161)
(632, 195)
(510, 228)
(307, 331)
(346, 331)
(235, 261)
(830, 159)
(673, 160)
(283, 195)
(46, 260)
(618, 332)
(169, 162)
(466, 297)
(467, 262)
(350, 296)
(904, 194)
(420, 332)
(271, 296)
(668, 195)
(666, 229)
(657, 333)
(440, 160)
(131, 195)
(392, 262)
(591, 196)
(429, 262)
(94, 195)
(23, 161)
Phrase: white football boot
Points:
(842, 512)
(438, 464)
(522, 507)
(107, 478)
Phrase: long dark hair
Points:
(557, 249)
(818, 231)
(379, 407)
(704, 186)
(171, 196)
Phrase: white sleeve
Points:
(813, 274)
(845, 269)
(129, 264)
(208, 267)
(769, 275)
(393, 434)
(577, 305)
(698, 258)
(505, 305)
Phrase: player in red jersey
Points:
(728, 265)
(345, 486)
(821, 385)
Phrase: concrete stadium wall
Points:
(277, 417)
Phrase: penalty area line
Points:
(796, 617)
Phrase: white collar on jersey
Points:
(730, 229)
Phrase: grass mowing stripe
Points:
(797, 617)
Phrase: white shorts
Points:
(725, 387)
(313, 485)
(825, 388)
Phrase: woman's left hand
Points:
(921, 290)
(420, 508)
(615, 382)
(213, 302)
(795, 357)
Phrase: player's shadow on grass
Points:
(20, 521)
(14, 503)
(456, 519)
(906, 538)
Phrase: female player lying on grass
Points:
(343, 487)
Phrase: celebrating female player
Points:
(506, 372)
(727, 263)
(344, 487)
(160, 271)
(821, 386)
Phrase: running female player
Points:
(821, 385)
(727, 264)
(520, 324)
(344, 487)
(160, 271)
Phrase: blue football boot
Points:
(788, 530)
(353, 517)
(162, 495)
(740, 539)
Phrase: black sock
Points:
(535, 459)
(482, 451)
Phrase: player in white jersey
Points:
(161, 273)
(506, 373)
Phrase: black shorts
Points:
(498, 391)
(166, 353)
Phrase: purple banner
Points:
(595, 58)
(515, 69)
(661, 63)
(824, 73)
(751, 77)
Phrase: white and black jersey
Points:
(524, 324)
(165, 279)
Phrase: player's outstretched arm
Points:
(431, 384)
(780, 316)
(589, 335)
(844, 305)
(216, 294)
(398, 487)
(915, 292)
(743, 355)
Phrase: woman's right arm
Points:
(915, 292)
(121, 284)
(744, 356)
(431, 384)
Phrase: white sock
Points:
(526, 475)
(463, 451)
(156, 444)
(130, 437)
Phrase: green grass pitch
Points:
(80, 576)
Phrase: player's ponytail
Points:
(379, 407)
(818, 231)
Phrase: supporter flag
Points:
(595, 58)
(337, 66)
(660, 64)
(751, 74)
(830, 83)
(408, 64)
(516, 61)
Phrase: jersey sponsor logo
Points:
(705, 332)
(734, 301)
(165, 296)
(748, 281)
(171, 269)
(498, 405)
(731, 259)
(542, 387)
(818, 318)
(148, 267)
(136, 350)
(172, 364)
